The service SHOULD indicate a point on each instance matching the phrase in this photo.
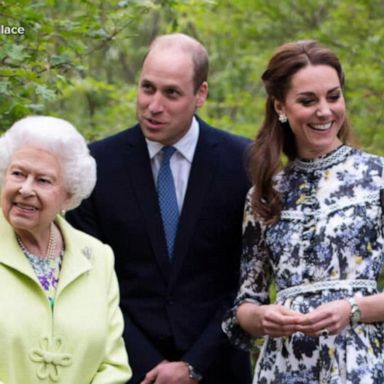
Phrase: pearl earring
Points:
(283, 118)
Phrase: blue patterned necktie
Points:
(167, 199)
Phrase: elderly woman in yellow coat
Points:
(60, 320)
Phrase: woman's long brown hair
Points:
(275, 138)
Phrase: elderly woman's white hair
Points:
(60, 138)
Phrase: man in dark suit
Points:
(175, 288)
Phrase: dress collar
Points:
(334, 157)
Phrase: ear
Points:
(279, 107)
(66, 202)
(201, 94)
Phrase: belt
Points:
(317, 286)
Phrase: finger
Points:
(319, 329)
(279, 330)
(148, 381)
(150, 377)
(289, 312)
(314, 317)
(282, 320)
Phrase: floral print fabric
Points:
(47, 271)
(331, 229)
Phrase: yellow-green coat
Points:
(79, 340)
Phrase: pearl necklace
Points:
(51, 248)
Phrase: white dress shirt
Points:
(181, 161)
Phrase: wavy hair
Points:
(273, 138)
(61, 139)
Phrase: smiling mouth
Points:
(26, 207)
(321, 127)
(153, 122)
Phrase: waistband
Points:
(317, 286)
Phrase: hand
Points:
(278, 321)
(333, 317)
(274, 320)
(169, 373)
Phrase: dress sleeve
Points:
(255, 276)
(114, 368)
(381, 277)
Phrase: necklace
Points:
(51, 248)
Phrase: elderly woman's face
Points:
(33, 192)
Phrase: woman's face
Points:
(33, 192)
(315, 109)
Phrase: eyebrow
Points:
(19, 165)
(145, 81)
(163, 86)
(311, 93)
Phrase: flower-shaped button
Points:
(50, 359)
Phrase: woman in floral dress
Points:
(315, 229)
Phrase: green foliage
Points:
(80, 60)
(64, 44)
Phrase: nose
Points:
(26, 188)
(323, 109)
(156, 104)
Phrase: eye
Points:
(147, 87)
(307, 102)
(172, 93)
(44, 180)
(17, 174)
(334, 97)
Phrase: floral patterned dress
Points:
(327, 245)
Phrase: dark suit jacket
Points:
(173, 309)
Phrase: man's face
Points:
(166, 98)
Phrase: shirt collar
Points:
(186, 145)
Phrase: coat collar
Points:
(11, 254)
(77, 256)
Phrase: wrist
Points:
(192, 373)
(249, 316)
(355, 314)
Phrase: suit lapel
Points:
(202, 171)
(141, 175)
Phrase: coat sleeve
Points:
(114, 369)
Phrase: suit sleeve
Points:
(142, 354)
(114, 368)
(207, 347)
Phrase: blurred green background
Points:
(80, 60)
